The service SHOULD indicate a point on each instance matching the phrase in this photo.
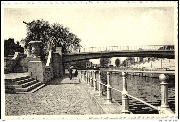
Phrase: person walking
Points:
(76, 73)
(70, 69)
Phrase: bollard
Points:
(95, 81)
(100, 86)
(125, 100)
(164, 109)
(109, 97)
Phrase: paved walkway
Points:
(59, 97)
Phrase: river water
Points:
(145, 88)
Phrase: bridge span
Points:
(159, 51)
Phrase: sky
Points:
(99, 26)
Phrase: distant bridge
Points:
(159, 51)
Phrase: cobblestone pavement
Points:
(58, 97)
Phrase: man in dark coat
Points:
(70, 69)
(76, 73)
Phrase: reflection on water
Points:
(145, 88)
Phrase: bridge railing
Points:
(127, 48)
(89, 76)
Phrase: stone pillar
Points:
(100, 85)
(109, 97)
(58, 70)
(165, 109)
(36, 67)
(125, 100)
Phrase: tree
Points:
(117, 62)
(131, 60)
(10, 47)
(81, 64)
(124, 63)
(52, 35)
(104, 62)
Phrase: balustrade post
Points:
(88, 77)
(91, 79)
(82, 76)
(95, 87)
(85, 77)
(84, 73)
(109, 97)
(165, 109)
(100, 85)
(79, 76)
(125, 99)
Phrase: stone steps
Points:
(33, 90)
(26, 89)
(23, 81)
(23, 85)
(28, 83)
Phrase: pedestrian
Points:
(76, 73)
(70, 72)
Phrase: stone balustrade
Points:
(89, 77)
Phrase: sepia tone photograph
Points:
(89, 60)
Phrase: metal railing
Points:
(89, 76)
(126, 48)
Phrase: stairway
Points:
(22, 85)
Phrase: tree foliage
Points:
(117, 62)
(124, 63)
(104, 62)
(128, 61)
(81, 64)
(131, 60)
(10, 47)
(51, 34)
